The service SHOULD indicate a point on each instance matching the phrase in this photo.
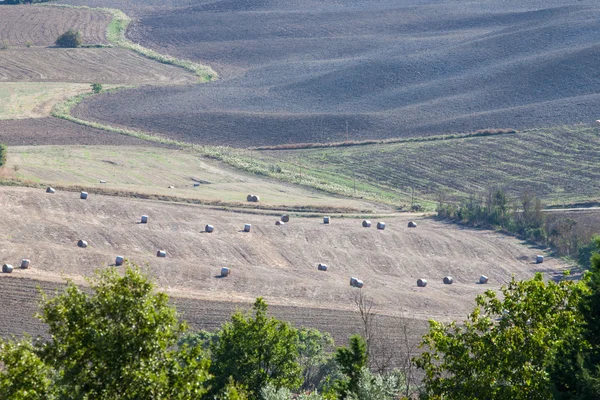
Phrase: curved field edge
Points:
(250, 161)
(115, 34)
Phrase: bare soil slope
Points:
(42, 25)
(277, 262)
(116, 66)
(299, 71)
(54, 131)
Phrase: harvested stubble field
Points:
(301, 71)
(40, 26)
(104, 65)
(150, 171)
(278, 263)
(557, 164)
(54, 131)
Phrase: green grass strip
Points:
(115, 34)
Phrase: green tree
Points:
(315, 356)
(96, 87)
(378, 387)
(23, 375)
(351, 360)
(119, 342)
(507, 346)
(256, 351)
(70, 38)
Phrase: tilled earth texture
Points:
(318, 71)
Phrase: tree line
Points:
(121, 339)
(524, 217)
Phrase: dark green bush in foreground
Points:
(70, 38)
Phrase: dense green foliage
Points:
(70, 38)
(352, 360)
(96, 87)
(3, 151)
(256, 351)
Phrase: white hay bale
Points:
(285, 218)
(50, 190)
(82, 243)
(196, 184)
(325, 220)
(247, 227)
(322, 267)
(161, 253)
(421, 282)
(255, 198)
(171, 187)
(224, 271)
(25, 263)
(119, 260)
(209, 228)
(144, 219)
(381, 226)
(483, 279)
(358, 283)
(102, 181)
(353, 281)
(539, 259)
(448, 280)
(279, 223)
(7, 268)
(249, 197)
(83, 195)
(366, 223)
(411, 224)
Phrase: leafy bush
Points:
(2, 154)
(96, 87)
(70, 38)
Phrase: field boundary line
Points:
(369, 142)
(115, 34)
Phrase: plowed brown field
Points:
(118, 66)
(42, 25)
(276, 262)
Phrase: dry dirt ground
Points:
(301, 71)
(104, 65)
(54, 131)
(276, 262)
(42, 25)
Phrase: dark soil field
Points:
(304, 70)
(42, 25)
(117, 66)
(54, 131)
(21, 298)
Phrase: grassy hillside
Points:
(559, 164)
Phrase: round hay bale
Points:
(539, 259)
(255, 199)
(352, 281)
(381, 226)
(483, 279)
(366, 223)
(82, 243)
(247, 227)
(279, 223)
(50, 190)
(7, 268)
(83, 195)
(209, 228)
(144, 219)
(249, 197)
(358, 283)
(171, 187)
(224, 271)
(322, 267)
(196, 184)
(285, 218)
(448, 280)
(161, 253)
(326, 220)
(25, 263)
(411, 224)
(102, 181)
(119, 260)
(422, 282)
